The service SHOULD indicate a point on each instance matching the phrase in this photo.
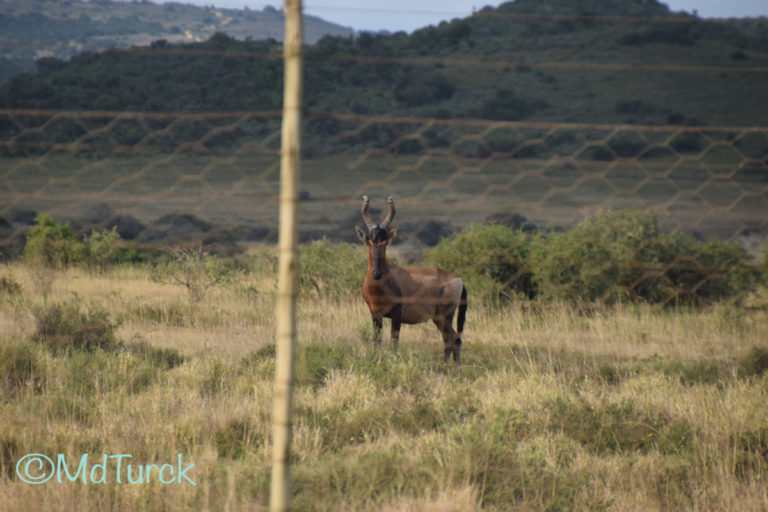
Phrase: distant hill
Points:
(33, 29)
(593, 61)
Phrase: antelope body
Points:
(409, 295)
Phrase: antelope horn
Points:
(390, 215)
(369, 222)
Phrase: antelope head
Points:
(377, 237)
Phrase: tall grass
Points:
(556, 407)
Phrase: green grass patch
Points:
(9, 286)
(164, 358)
(315, 361)
(618, 427)
(238, 438)
(754, 363)
(20, 365)
(750, 452)
(172, 314)
(71, 326)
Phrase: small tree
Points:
(102, 247)
(52, 244)
(49, 245)
(194, 269)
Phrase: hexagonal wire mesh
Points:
(211, 178)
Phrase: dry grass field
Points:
(555, 408)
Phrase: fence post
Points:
(280, 495)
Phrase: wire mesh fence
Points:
(572, 213)
(213, 179)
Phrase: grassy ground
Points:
(554, 408)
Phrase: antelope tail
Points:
(462, 310)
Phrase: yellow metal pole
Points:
(280, 496)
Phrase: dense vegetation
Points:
(502, 63)
(610, 257)
(53, 244)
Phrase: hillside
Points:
(635, 62)
(492, 117)
(33, 29)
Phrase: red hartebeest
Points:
(409, 295)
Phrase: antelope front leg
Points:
(396, 315)
(377, 327)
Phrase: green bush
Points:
(622, 255)
(708, 271)
(55, 245)
(492, 259)
(596, 259)
(262, 263)
(609, 257)
(330, 270)
(52, 244)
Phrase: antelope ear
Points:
(391, 234)
(362, 235)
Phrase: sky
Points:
(408, 15)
